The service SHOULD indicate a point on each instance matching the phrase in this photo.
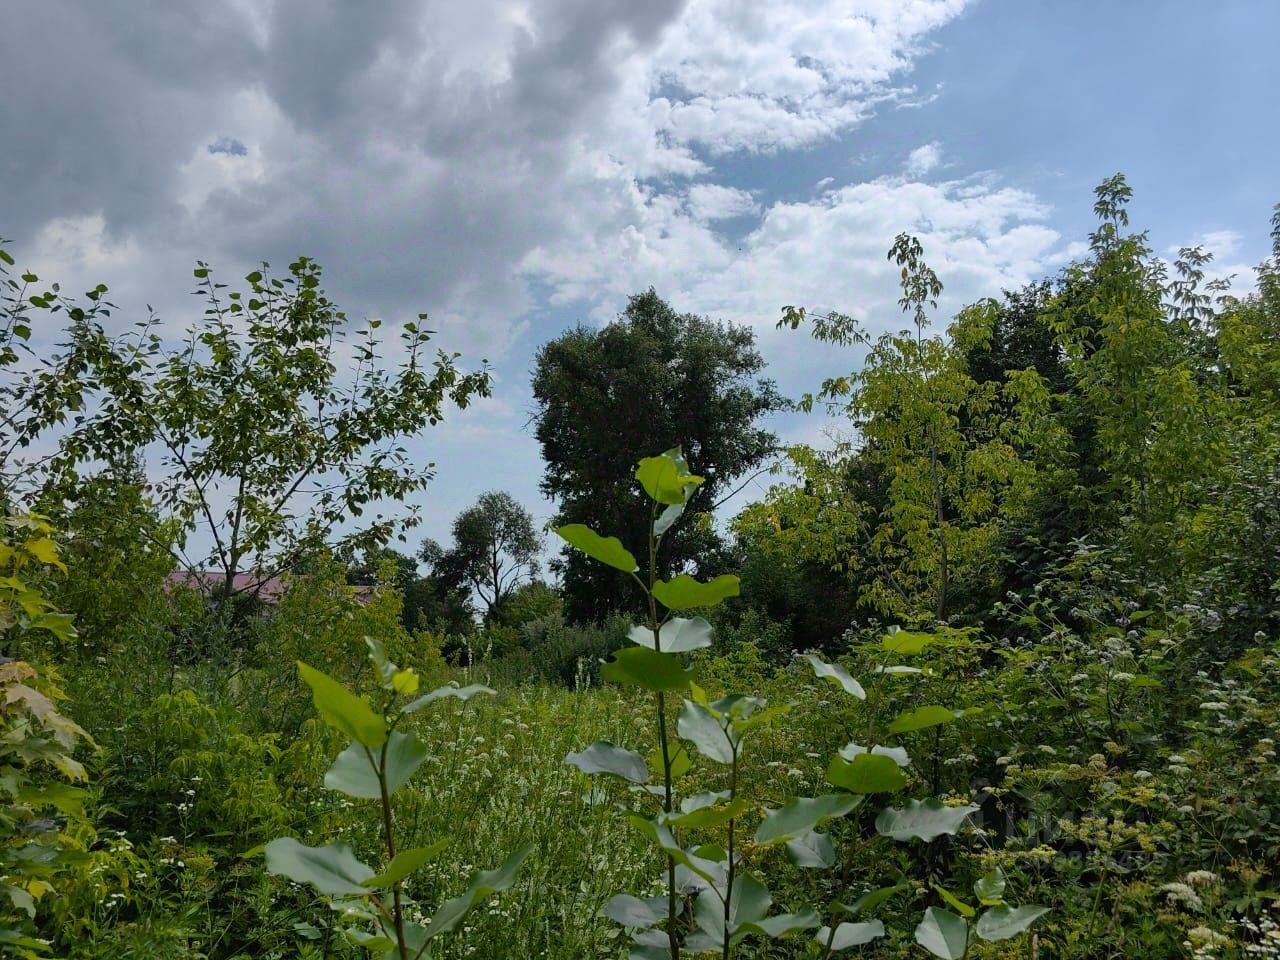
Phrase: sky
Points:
(516, 168)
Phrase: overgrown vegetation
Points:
(994, 678)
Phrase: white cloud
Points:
(711, 201)
(923, 160)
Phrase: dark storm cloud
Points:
(417, 148)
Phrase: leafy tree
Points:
(266, 446)
(495, 549)
(427, 602)
(534, 600)
(653, 379)
(946, 447)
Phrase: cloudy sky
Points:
(513, 167)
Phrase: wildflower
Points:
(1183, 894)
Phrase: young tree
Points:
(947, 448)
(270, 441)
(495, 549)
(654, 379)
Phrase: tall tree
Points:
(654, 379)
(268, 440)
(495, 549)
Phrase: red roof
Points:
(269, 589)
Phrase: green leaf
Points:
(851, 934)
(812, 850)
(353, 773)
(681, 762)
(405, 863)
(943, 934)
(952, 900)
(332, 869)
(59, 624)
(802, 815)
(906, 642)
(447, 691)
(683, 592)
(697, 725)
(1002, 922)
(837, 675)
(873, 898)
(666, 479)
(666, 518)
(677, 635)
(708, 817)
(608, 550)
(868, 773)
(922, 718)
(989, 888)
(632, 911)
(487, 882)
(647, 669)
(781, 925)
(342, 709)
(405, 753)
(604, 757)
(922, 820)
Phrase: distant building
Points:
(267, 589)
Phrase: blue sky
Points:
(517, 167)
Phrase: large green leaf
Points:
(850, 934)
(873, 898)
(353, 773)
(943, 934)
(632, 911)
(677, 635)
(667, 518)
(683, 592)
(342, 709)
(450, 913)
(666, 479)
(1004, 922)
(332, 869)
(868, 773)
(922, 820)
(604, 757)
(812, 850)
(780, 925)
(922, 718)
(803, 814)
(608, 550)
(404, 863)
(906, 642)
(405, 753)
(449, 690)
(989, 888)
(708, 817)
(697, 725)
(647, 669)
(837, 675)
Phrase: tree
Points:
(428, 602)
(495, 549)
(267, 441)
(948, 450)
(654, 379)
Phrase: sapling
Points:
(381, 758)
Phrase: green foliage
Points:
(380, 760)
(255, 423)
(651, 380)
(494, 550)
